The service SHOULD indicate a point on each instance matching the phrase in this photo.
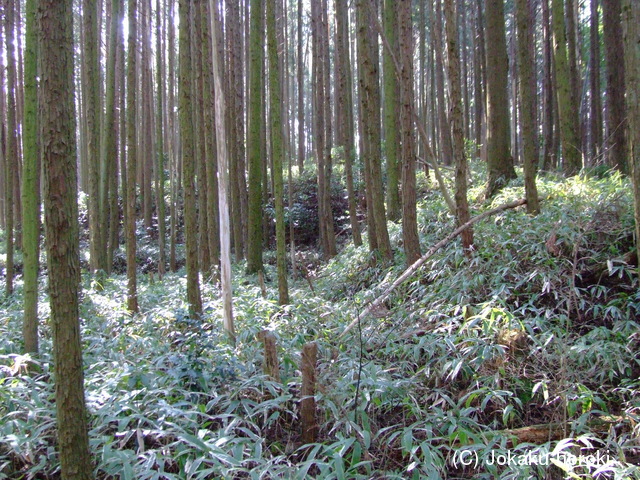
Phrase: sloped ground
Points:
(531, 347)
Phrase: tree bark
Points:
(62, 240)
(31, 184)
(369, 96)
(631, 33)
(11, 156)
(188, 161)
(616, 113)
(223, 183)
(410, 237)
(132, 142)
(527, 88)
(567, 110)
(391, 109)
(456, 116)
(596, 109)
(344, 105)
(254, 144)
(499, 159)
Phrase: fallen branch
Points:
(413, 268)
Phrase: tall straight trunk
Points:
(31, 184)
(327, 212)
(410, 237)
(631, 37)
(62, 240)
(300, 78)
(146, 117)
(456, 115)
(446, 147)
(391, 109)
(499, 159)
(567, 108)
(595, 144)
(547, 90)
(235, 114)
(132, 144)
(174, 144)
(344, 106)
(188, 160)
(527, 88)
(369, 96)
(254, 144)
(223, 184)
(478, 90)
(108, 142)
(616, 111)
(11, 156)
(201, 135)
(211, 167)
(277, 147)
(91, 85)
(160, 150)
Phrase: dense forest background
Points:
(319, 239)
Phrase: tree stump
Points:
(270, 365)
(308, 402)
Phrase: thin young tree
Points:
(595, 133)
(31, 184)
(300, 80)
(499, 158)
(527, 89)
(62, 239)
(131, 167)
(455, 114)
(188, 160)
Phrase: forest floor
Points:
(522, 361)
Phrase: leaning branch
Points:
(413, 268)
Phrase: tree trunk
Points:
(132, 295)
(369, 96)
(631, 34)
(11, 156)
(446, 147)
(567, 110)
(223, 183)
(31, 185)
(391, 109)
(160, 143)
(456, 116)
(527, 88)
(499, 159)
(344, 105)
(548, 152)
(62, 240)
(277, 148)
(91, 83)
(616, 114)
(410, 237)
(596, 109)
(188, 161)
(254, 150)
